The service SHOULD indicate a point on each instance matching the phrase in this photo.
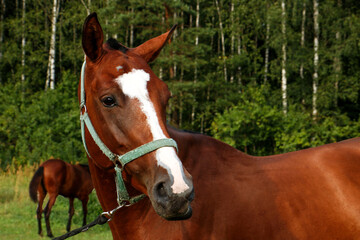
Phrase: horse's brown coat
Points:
(57, 177)
(308, 194)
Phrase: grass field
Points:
(18, 212)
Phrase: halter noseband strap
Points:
(123, 197)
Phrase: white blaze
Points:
(133, 84)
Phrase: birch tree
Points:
(267, 36)
(283, 61)
(87, 6)
(302, 41)
(232, 47)
(222, 39)
(23, 44)
(50, 76)
(316, 60)
(3, 8)
(239, 53)
(337, 62)
(132, 29)
(197, 25)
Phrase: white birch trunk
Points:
(87, 7)
(161, 69)
(303, 38)
(181, 110)
(266, 67)
(132, 30)
(174, 37)
(197, 25)
(316, 60)
(283, 62)
(232, 37)
(222, 39)
(50, 79)
(23, 43)
(3, 8)
(239, 67)
(337, 62)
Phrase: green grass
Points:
(18, 213)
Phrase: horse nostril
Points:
(160, 189)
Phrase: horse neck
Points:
(194, 146)
(124, 219)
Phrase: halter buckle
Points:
(109, 214)
(83, 106)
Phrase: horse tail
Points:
(35, 181)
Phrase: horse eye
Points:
(108, 101)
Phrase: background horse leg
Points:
(84, 206)
(39, 210)
(71, 213)
(47, 211)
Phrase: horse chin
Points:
(184, 213)
(185, 216)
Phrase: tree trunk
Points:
(23, 44)
(316, 60)
(266, 67)
(197, 21)
(232, 36)
(50, 79)
(181, 110)
(3, 8)
(197, 26)
(283, 62)
(173, 53)
(239, 73)
(303, 38)
(222, 39)
(87, 7)
(132, 30)
(337, 62)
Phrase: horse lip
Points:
(185, 216)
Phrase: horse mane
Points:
(183, 130)
(114, 44)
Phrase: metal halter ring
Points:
(82, 107)
(109, 214)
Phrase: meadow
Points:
(18, 213)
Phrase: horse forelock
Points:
(114, 44)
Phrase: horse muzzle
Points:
(169, 205)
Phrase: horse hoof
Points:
(50, 235)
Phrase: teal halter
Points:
(123, 197)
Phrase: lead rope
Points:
(100, 220)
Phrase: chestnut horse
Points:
(58, 177)
(308, 194)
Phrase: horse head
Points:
(126, 103)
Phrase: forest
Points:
(265, 76)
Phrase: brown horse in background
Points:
(308, 194)
(57, 177)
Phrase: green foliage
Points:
(45, 125)
(35, 125)
(251, 124)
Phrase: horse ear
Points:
(92, 37)
(150, 49)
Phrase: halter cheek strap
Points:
(123, 197)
